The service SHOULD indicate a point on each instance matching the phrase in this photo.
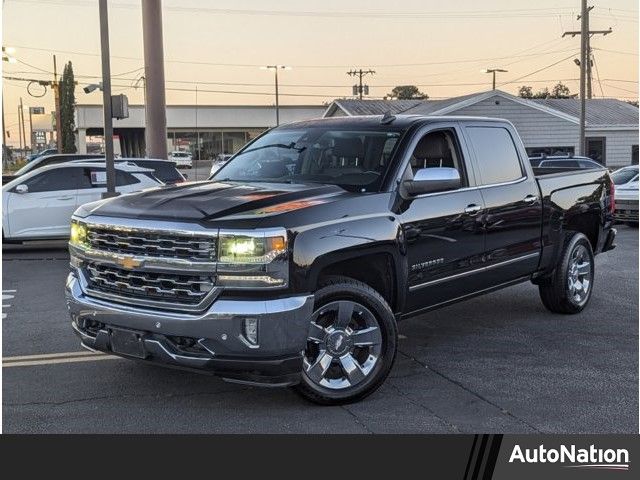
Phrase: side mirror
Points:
(22, 188)
(430, 180)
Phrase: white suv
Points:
(39, 204)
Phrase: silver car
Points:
(626, 182)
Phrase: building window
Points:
(550, 151)
(634, 154)
(596, 149)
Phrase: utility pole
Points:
(4, 125)
(585, 66)
(24, 133)
(20, 126)
(56, 95)
(360, 89)
(156, 106)
(106, 100)
(494, 71)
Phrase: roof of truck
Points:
(372, 121)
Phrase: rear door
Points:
(512, 218)
(444, 236)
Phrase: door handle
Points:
(530, 199)
(472, 209)
(65, 198)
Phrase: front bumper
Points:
(216, 339)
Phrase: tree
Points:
(67, 106)
(525, 92)
(560, 90)
(407, 92)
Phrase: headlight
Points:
(253, 259)
(78, 234)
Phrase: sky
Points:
(217, 47)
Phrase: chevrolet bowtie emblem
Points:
(128, 262)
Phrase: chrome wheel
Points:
(344, 345)
(579, 274)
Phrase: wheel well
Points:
(586, 224)
(375, 270)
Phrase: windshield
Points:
(624, 176)
(353, 159)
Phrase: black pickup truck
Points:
(292, 265)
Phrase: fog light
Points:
(251, 330)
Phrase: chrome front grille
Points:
(154, 244)
(148, 288)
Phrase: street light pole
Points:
(106, 100)
(275, 69)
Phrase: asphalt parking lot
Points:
(498, 363)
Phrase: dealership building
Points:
(547, 126)
(205, 129)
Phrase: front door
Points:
(45, 210)
(443, 231)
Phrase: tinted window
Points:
(561, 163)
(59, 179)
(589, 164)
(164, 171)
(497, 156)
(125, 178)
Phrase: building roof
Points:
(375, 107)
(600, 111)
(607, 112)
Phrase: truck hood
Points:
(204, 201)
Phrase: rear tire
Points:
(568, 290)
(352, 343)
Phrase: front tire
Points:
(569, 288)
(351, 345)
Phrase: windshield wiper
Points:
(290, 146)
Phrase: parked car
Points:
(626, 181)
(294, 264)
(43, 153)
(164, 170)
(46, 160)
(182, 159)
(564, 162)
(219, 162)
(39, 204)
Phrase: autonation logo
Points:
(573, 457)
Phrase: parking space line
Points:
(54, 358)
(6, 296)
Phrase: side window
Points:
(562, 164)
(438, 149)
(498, 160)
(125, 178)
(54, 180)
(588, 164)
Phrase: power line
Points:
(246, 65)
(536, 71)
(514, 13)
